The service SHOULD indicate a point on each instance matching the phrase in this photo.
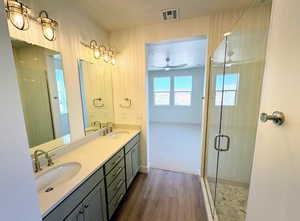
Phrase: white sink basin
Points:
(116, 134)
(55, 176)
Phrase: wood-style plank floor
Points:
(163, 196)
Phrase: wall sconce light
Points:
(100, 51)
(48, 25)
(95, 48)
(18, 14)
(109, 57)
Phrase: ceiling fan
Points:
(168, 67)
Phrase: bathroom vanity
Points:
(108, 166)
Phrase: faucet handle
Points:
(49, 159)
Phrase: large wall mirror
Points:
(96, 94)
(43, 95)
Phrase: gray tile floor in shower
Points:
(231, 202)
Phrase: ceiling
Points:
(116, 14)
(188, 51)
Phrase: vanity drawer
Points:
(113, 205)
(115, 172)
(131, 143)
(75, 198)
(113, 161)
(115, 185)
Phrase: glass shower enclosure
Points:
(236, 74)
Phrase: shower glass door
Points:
(235, 87)
(214, 123)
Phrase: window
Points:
(161, 89)
(230, 89)
(183, 90)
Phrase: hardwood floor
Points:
(162, 196)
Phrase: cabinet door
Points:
(103, 200)
(93, 205)
(76, 215)
(129, 171)
(135, 159)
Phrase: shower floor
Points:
(231, 202)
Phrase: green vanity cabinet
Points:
(93, 207)
(132, 160)
(99, 196)
(87, 201)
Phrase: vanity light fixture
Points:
(18, 14)
(101, 51)
(48, 25)
(95, 48)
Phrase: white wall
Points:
(274, 189)
(178, 114)
(17, 186)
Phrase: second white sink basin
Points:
(48, 180)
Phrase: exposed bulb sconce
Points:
(18, 14)
(48, 26)
(101, 51)
(95, 48)
(109, 57)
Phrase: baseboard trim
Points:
(144, 169)
(206, 201)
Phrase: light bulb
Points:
(97, 53)
(48, 32)
(113, 61)
(18, 14)
(106, 58)
(17, 20)
(48, 25)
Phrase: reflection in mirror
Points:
(43, 95)
(96, 95)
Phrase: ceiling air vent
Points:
(170, 14)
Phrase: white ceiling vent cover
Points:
(170, 14)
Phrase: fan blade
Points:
(155, 66)
(177, 66)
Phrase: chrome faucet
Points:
(37, 163)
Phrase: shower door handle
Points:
(218, 142)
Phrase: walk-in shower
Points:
(235, 80)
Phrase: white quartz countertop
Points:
(91, 155)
